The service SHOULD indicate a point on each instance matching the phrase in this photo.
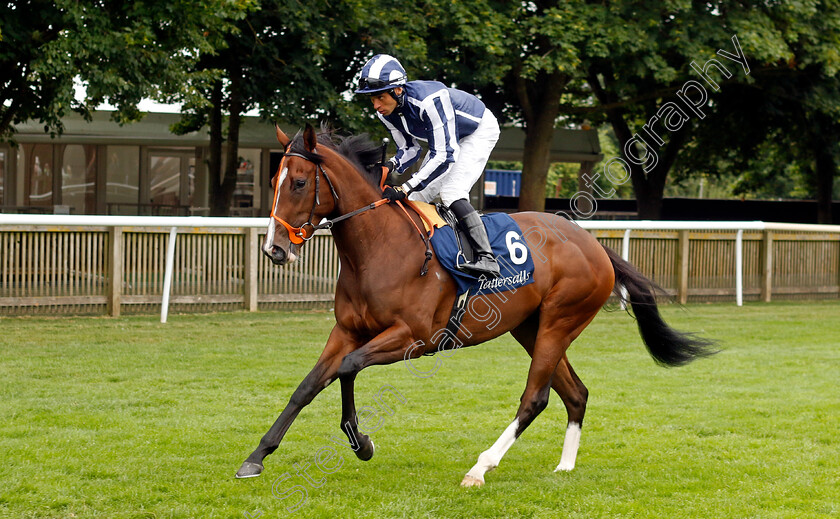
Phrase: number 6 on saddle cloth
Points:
(452, 248)
(509, 249)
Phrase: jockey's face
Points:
(384, 102)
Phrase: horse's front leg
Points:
(322, 375)
(386, 348)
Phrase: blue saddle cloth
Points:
(509, 248)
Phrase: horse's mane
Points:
(359, 150)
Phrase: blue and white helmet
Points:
(382, 72)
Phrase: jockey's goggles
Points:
(372, 85)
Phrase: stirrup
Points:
(484, 265)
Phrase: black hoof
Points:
(366, 451)
(249, 470)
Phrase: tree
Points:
(625, 63)
(121, 51)
(292, 68)
(634, 83)
(789, 148)
(520, 57)
(782, 128)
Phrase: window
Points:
(165, 180)
(78, 178)
(171, 180)
(122, 179)
(39, 192)
(246, 196)
(4, 157)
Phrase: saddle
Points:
(453, 248)
(436, 216)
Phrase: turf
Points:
(128, 418)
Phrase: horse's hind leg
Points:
(568, 386)
(574, 394)
(549, 347)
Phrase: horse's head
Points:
(303, 195)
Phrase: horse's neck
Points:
(369, 238)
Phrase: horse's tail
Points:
(667, 346)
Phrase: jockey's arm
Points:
(408, 149)
(443, 144)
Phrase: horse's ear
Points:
(309, 138)
(282, 138)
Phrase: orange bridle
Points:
(298, 235)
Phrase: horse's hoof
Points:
(249, 470)
(472, 481)
(366, 452)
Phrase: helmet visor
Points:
(372, 83)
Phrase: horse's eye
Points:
(299, 184)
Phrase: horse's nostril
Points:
(277, 254)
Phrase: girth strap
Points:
(425, 269)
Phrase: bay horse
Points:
(387, 318)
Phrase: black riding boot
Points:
(484, 262)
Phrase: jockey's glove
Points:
(393, 194)
(390, 165)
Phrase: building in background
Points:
(100, 167)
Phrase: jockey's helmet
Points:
(382, 72)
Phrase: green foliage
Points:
(535, 64)
(121, 51)
(792, 78)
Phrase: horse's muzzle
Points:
(277, 255)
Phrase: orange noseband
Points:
(295, 233)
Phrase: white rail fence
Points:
(115, 264)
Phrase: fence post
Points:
(682, 267)
(115, 270)
(625, 255)
(167, 275)
(767, 266)
(739, 267)
(252, 236)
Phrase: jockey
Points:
(460, 132)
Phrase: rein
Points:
(298, 235)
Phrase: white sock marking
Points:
(570, 447)
(490, 459)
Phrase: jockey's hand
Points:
(393, 194)
(388, 167)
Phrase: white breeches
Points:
(475, 150)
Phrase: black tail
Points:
(667, 346)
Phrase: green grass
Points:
(128, 418)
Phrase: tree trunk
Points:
(825, 168)
(226, 188)
(214, 157)
(223, 181)
(540, 101)
(822, 132)
(535, 164)
(649, 202)
(649, 187)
